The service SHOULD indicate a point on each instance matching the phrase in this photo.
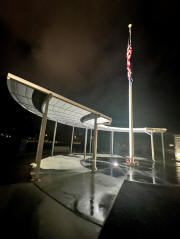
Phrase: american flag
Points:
(129, 54)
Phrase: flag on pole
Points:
(129, 54)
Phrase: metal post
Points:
(112, 143)
(90, 141)
(41, 136)
(54, 137)
(131, 133)
(162, 141)
(72, 137)
(152, 146)
(95, 145)
(153, 174)
(119, 147)
(85, 142)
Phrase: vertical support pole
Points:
(54, 138)
(152, 146)
(162, 141)
(90, 141)
(72, 137)
(119, 148)
(112, 143)
(153, 174)
(95, 145)
(85, 142)
(41, 136)
(131, 133)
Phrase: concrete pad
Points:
(26, 212)
(62, 162)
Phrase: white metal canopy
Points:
(48, 104)
(64, 110)
(60, 109)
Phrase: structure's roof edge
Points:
(46, 91)
(135, 130)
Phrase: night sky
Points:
(78, 48)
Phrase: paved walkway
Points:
(26, 212)
(37, 211)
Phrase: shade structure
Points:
(63, 110)
(53, 106)
(33, 97)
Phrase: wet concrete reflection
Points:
(91, 195)
(147, 171)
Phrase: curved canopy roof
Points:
(63, 110)
(32, 97)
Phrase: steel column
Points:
(112, 143)
(152, 146)
(90, 141)
(41, 136)
(162, 141)
(54, 138)
(95, 144)
(153, 174)
(85, 142)
(72, 138)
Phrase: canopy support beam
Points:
(85, 142)
(95, 145)
(112, 143)
(41, 136)
(162, 142)
(90, 141)
(54, 138)
(72, 138)
(152, 146)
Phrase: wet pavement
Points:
(91, 195)
(70, 192)
(26, 212)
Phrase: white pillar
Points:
(72, 138)
(95, 145)
(112, 143)
(90, 141)
(54, 138)
(162, 141)
(152, 146)
(41, 136)
(131, 133)
(85, 142)
(153, 174)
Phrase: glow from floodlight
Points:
(115, 164)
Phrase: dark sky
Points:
(78, 48)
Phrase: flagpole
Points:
(131, 133)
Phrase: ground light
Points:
(115, 164)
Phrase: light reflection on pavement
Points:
(91, 195)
